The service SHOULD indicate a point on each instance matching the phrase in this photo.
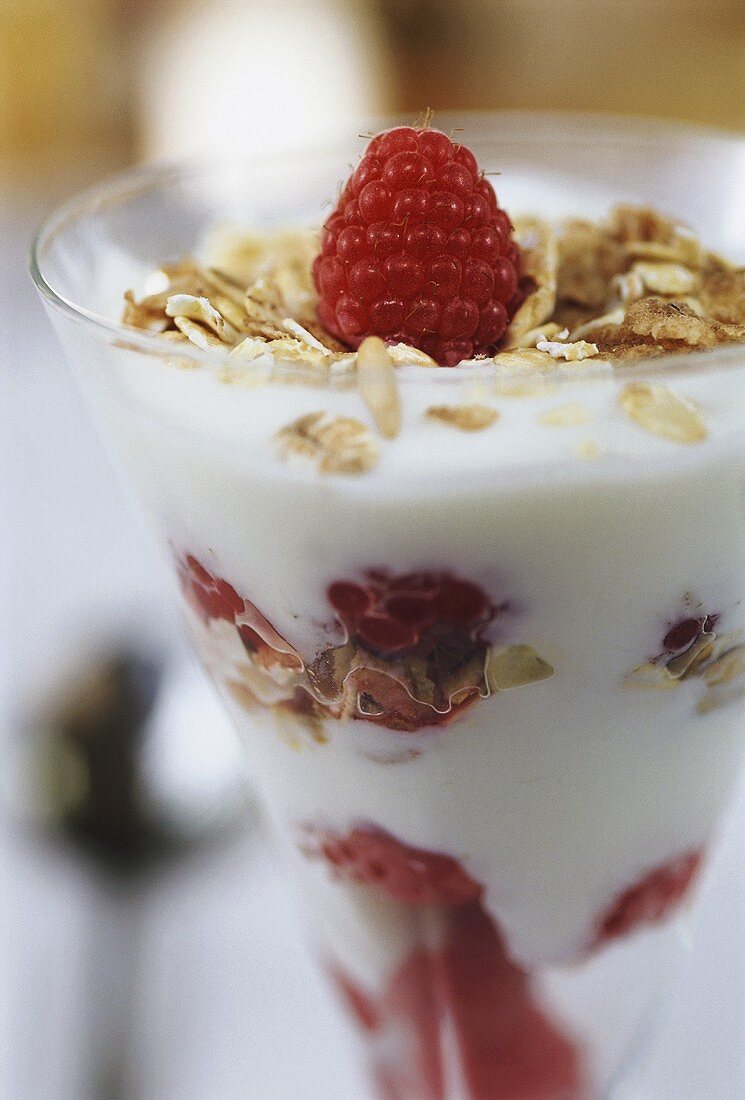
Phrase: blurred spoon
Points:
(141, 767)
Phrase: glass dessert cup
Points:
(491, 688)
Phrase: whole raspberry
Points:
(418, 251)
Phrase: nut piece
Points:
(652, 326)
(606, 321)
(304, 335)
(515, 666)
(376, 378)
(661, 412)
(566, 416)
(198, 334)
(690, 662)
(661, 278)
(661, 321)
(723, 296)
(627, 287)
(522, 358)
(730, 666)
(404, 355)
(245, 256)
(637, 226)
(572, 352)
(649, 677)
(469, 418)
(589, 257)
(588, 449)
(715, 699)
(335, 444)
(548, 331)
(147, 314)
(540, 255)
(200, 309)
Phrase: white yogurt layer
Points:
(598, 534)
(558, 795)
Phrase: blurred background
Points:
(149, 947)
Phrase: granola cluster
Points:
(694, 649)
(406, 651)
(637, 285)
(641, 285)
(252, 295)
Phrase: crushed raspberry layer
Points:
(418, 251)
(651, 899)
(413, 655)
(377, 859)
(390, 613)
(213, 598)
(414, 649)
(508, 1046)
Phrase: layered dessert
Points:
(464, 554)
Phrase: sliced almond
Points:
(688, 663)
(201, 310)
(566, 416)
(588, 449)
(469, 418)
(606, 320)
(234, 314)
(649, 677)
(627, 287)
(226, 285)
(665, 278)
(663, 413)
(650, 235)
(404, 355)
(514, 666)
(247, 350)
(145, 314)
(730, 666)
(540, 256)
(291, 350)
(242, 695)
(518, 357)
(304, 336)
(718, 698)
(334, 444)
(655, 252)
(376, 378)
(547, 331)
(198, 334)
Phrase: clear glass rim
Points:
(560, 126)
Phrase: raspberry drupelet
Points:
(418, 251)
